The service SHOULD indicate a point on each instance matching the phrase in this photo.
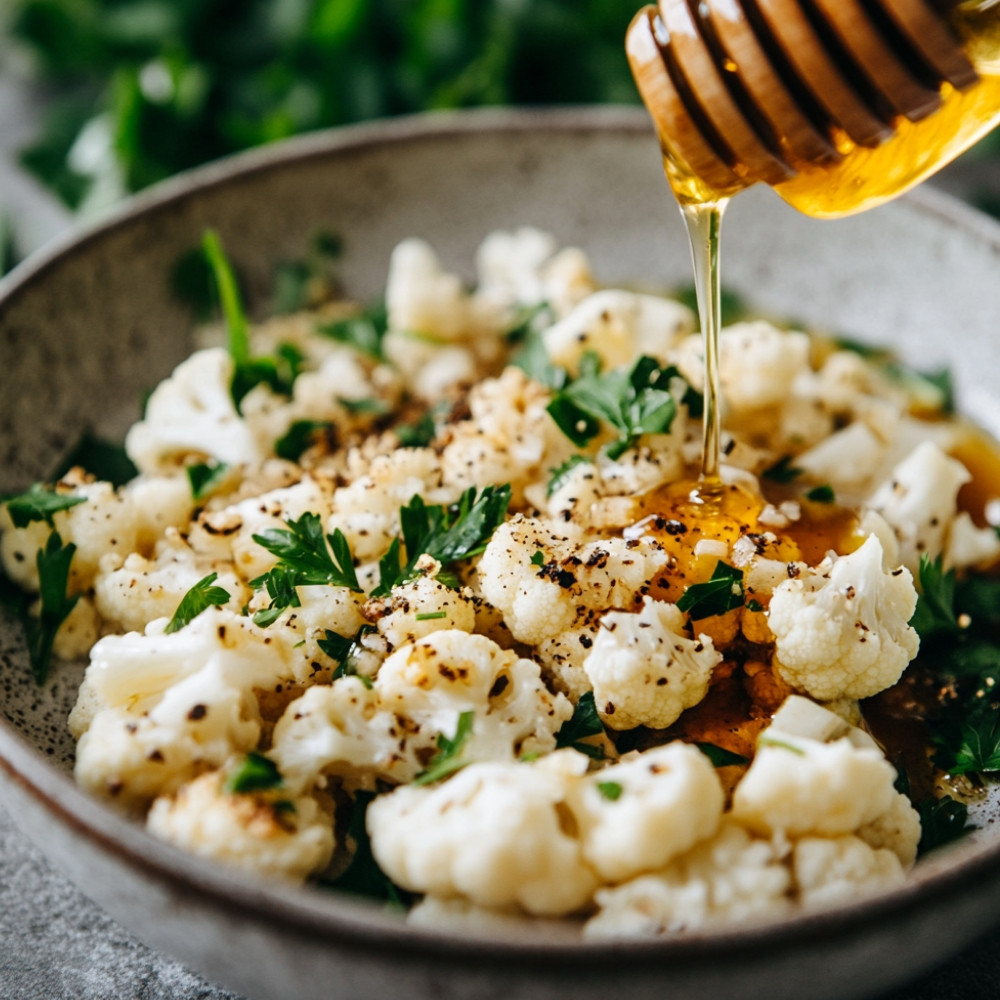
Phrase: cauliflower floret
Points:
(618, 326)
(731, 878)
(252, 832)
(416, 609)
(132, 593)
(843, 631)
(497, 834)
(159, 503)
(969, 545)
(540, 597)
(391, 730)
(847, 458)
(174, 704)
(78, 632)
(644, 670)
(105, 522)
(192, 413)
(897, 829)
(509, 437)
(832, 870)
(639, 814)
(799, 786)
(919, 501)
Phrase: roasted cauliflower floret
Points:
(644, 670)
(843, 630)
(639, 814)
(498, 834)
(731, 878)
(418, 608)
(262, 834)
(834, 869)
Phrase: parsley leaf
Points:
(310, 556)
(610, 790)
(720, 756)
(342, 649)
(300, 436)
(935, 611)
(39, 503)
(941, 821)
(532, 357)
(561, 473)
(363, 332)
(53, 562)
(634, 402)
(721, 593)
(362, 876)
(448, 758)
(199, 598)
(821, 494)
(418, 434)
(446, 533)
(979, 749)
(279, 582)
(254, 773)
(301, 283)
(205, 478)
(584, 722)
(782, 471)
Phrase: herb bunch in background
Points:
(145, 88)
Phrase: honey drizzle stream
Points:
(704, 225)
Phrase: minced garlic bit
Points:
(440, 572)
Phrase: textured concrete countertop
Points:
(57, 945)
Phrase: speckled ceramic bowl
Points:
(89, 325)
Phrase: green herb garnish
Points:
(942, 821)
(720, 756)
(254, 773)
(418, 434)
(610, 790)
(199, 598)
(782, 471)
(446, 533)
(426, 616)
(363, 332)
(311, 557)
(821, 494)
(39, 503)
(205, 478)
(717, 595)
(584, 723)
(299, 437)
(448, 758)
(561, 473)
(53, 562)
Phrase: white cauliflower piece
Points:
(897, 830)
(758, 364)
(729, 879)
(539, 600)
(391, 730)
(245, 831)
(497, 834)
(638, 815)
(798, 786)
(919, 501)
(843, 630)
(644, 670)
(618, 326)
(78, 632)
(846, 459)
(176, 703)
(837, 869)
(970, 546)
(105, 522)
(416, 609)
(192, 413)
(421, 297)
(159, 503)
(132, 593)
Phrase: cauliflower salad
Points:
(426, 601)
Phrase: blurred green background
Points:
(128, 92)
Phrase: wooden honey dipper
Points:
(753, 90)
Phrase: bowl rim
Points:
(354, 920)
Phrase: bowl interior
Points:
(90, 326)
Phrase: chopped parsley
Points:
(426, 616)
(561, 473)
(446, 533)
(300, 436)
(770, 741)
(448, 758)
(979, 747)
(532, 357)
(205, 478)
(254, 773)
(53, 562)
(308, 557)
(363, 332)
(584, 723)
(720, 756)
(633, 402)
(717, 595)
(300, 283)
(343, 649)
(202, 596)
(942, 821)
(821, 494)
(418, 434)
(782, 471)
(39, 503)
(611, 790)
(538, 559)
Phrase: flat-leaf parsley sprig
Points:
(447, 533)
(202, 596)
(632, 401)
